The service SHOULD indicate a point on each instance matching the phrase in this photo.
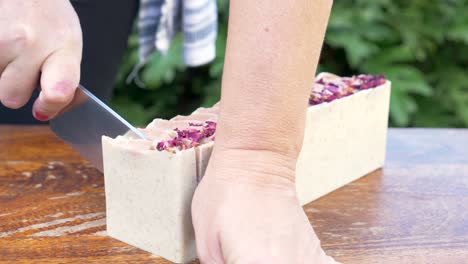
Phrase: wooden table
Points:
(52, 204)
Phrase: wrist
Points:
(267, 137)
(252, 166)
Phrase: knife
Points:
(83, 123)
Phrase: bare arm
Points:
(246, 210)
(272, 54)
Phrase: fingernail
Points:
(40, 117)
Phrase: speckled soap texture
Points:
(148, 197)
(149, 192)
(343, 141)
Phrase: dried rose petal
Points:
(330, 88)
(325, 89)
(189, 138)
(160, 146)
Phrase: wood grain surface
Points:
(415, 210)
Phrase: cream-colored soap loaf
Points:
(149, 192)
(343, 141)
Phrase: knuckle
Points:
(77, 35)
(62, 33)
(68, 33)
(22, 36)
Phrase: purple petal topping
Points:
(325, 89)
(191, 137)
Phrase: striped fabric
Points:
(160, 20)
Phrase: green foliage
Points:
(420, 45)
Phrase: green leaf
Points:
(162, 68)
(420, 45)
(357, 48)
(393, 54)
(407, 78)
(401, 107)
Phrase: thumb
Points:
(59, 79)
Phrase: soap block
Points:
(148, 199)
(343, 141)
(149, 192)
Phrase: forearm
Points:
(272, 52)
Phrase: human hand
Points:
(245, 210)
(39, 40)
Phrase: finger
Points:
(59, 79)
(18, 81)
(13, 39)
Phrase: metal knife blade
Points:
(83, 123)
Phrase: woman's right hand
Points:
(40, 43)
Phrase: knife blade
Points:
(85, 120)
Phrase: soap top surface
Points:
(329, 87)
(186, 132)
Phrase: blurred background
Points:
(420, 45)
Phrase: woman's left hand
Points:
(245, 212)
